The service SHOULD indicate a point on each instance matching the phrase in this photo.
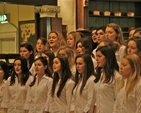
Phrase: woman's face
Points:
(40, 46)
(80, 65)
(63, 53)
(24, 52)
(125, 68)
(132, 47)
(100, 35)
(101, 59)
(1, 73)
(57, 66)
(80, 49)
(110, 34)
(17, 67)
(39, 68)
(94, 36)
(53, 40)
(70, 41)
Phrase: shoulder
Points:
(31, 77)
(117, 75)
(47, 78)
(122, 47)
(91, 78)
(9, 78)
(70, 81)
(139, 85)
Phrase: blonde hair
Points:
(70, 54)
(134, 78)
(76, 36)
(61, 40)
(118, 31)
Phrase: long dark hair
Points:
(5, 69)
(47, 70)
(94, 45)
(29, 48)
(110, 66)
(89, 70)
(86, 42)
(25, 72)
(65, 75)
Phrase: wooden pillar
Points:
(37, 24)
(79, 14)
(46, 20)
(82, 14)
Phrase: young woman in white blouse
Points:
(134, 46)
(69, 54)
(55, 41)
(40, 46)
(84, 46)
(83, 92)
(72, 38)
(27, 51)
(107, 79)
(16, 87)
(114, 32)
(4, 74)
(40, 88)
(129, 90)
(62, 86)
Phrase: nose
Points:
(106, 35)
(129, 50)
(96, 59)
(22, 54)
(120, 68)
(16, 67)
(77, 66)
(98, 35)
(77, 48)
(50, 38)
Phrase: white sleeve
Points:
(6, 95)
(69, 87)
(28, 95)
(138, 99)
(90, 95)
(48, 94)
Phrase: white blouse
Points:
(120, 53)
(15, 95)
(84, 102)
(73, 71)
(32, 70)
(38, 95)
(61, 104)
(94, 62)
(106, 94)
(132, 104)
(2, 88)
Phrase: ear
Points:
(46, 67)
(31, 52)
